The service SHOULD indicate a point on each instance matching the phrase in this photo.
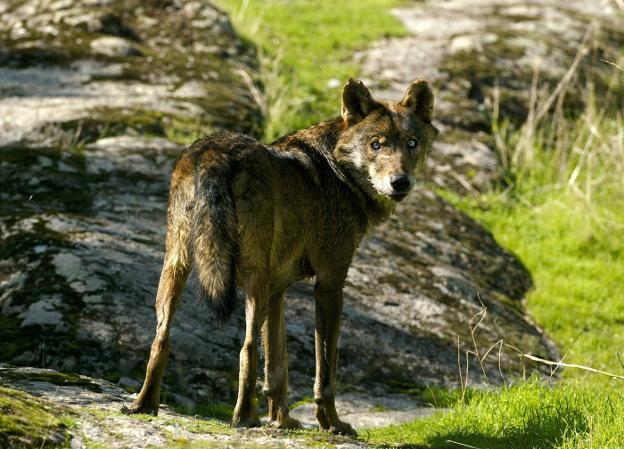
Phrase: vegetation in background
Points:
(306, 52)
(562, 213)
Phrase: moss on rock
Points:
(29, 422)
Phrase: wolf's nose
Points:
(400, 183)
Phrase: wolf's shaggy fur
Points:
(262, 217)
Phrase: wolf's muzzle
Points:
(400, 183)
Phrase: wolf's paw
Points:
(139, 408)
(342, 428)
(286, 422)
(243, 422)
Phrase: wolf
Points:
(262, 217)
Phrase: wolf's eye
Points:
(375, 144)
(411, 143)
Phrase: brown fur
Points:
(263, 217)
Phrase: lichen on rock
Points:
(26, 421)
(68, 61)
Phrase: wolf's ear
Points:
(357, 101)
(419, 98)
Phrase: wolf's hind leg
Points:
(246, 410)
(175, 271)
(169, 290)
(276, 365)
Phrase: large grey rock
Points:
(83, 193)
(481, 52)
(117, 66)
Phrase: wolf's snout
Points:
(400, 183)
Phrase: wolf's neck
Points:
(324, 134)
(319, 139)
(323, 138)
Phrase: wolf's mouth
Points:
(398, 196)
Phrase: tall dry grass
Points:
(580, 151)
(276, 94)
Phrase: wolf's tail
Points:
(215, 238)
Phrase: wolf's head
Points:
(384, 144)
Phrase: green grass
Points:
(574, 252)
(312, 42)
(528, 415)
(562, 215)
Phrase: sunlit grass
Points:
(527, 415)
(561, 212)
(313, 43)
(574, 252)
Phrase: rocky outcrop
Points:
(483, 57)
(89, 128)
(93, 97)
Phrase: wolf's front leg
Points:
(328, 314)
(172, 280)
(276, 365)
(246, 410)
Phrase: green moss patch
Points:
(26, 421)
(53, 377)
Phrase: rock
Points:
(364, 411)
(83, 192)
(30, 422)
(129, 384)
(483, 52)
(43, 313)
(62, 81)
(115, 47)
(112, 24)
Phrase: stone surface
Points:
(92, 97)
(114, 46)
(95, 403)
(364, 411)
(481, 55)
(83, 181)
(117, 66)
